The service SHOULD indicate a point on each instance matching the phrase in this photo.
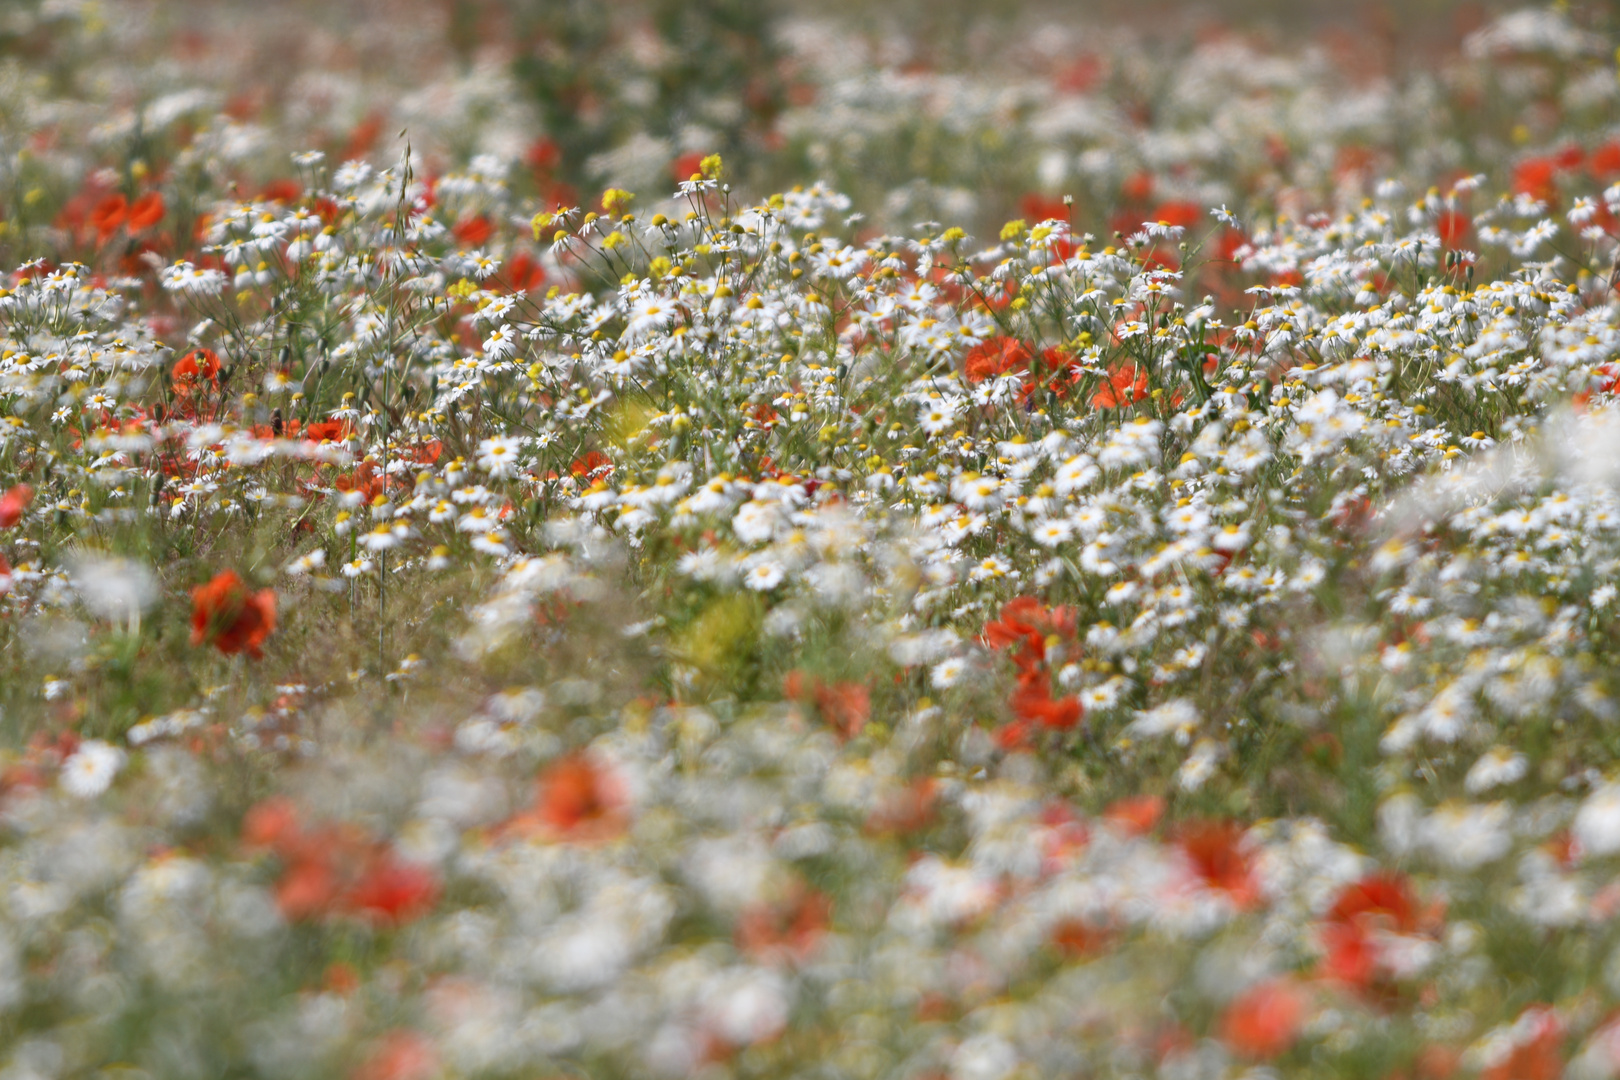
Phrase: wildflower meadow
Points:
(738, 540)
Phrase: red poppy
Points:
(145, 212)
(907, 810)
(308, 887)
(1604, 163)
(1080, 74)
(322, 430)
(281, 191)
(401, 1055)
(1043, 208)
(1435, 1062)
(1228, 244)
(234, 620)
(845, 705)
(1377, 902)
(580, 800)
(1015, 735)
(523, 273)
(997, 356)
(1570, 157)
(1064, 834)
(1127, 384)
(1135, 814)
(686, 166)
(1265, 1020)
(1381, 897)
(365, 479)
(788, 930)
(13, 503)
(1350, 956)
(1026, 620)
(1536, 177)
(340, 978)
(1537, 1049)
(474, 231)
(1138, 188)
(1452, 227)
(1184, 214)
(1215, 850)
(591, 463)
(1033, 701)
(543, 157)
(337, 870)
(556, 195)
(141, 255)
(360, 139)
(1353, 161)
(1562, 847)
(109, 215)
(197, 366)
(1077, 938)
(1062, 375)
(390, 892)
(271, 824)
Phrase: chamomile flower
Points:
(91, 769)
(764, 575)
(493, 542)
(307, 563)
(947, 673)
(498, 456)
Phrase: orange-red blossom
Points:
(196, 367)
(13, 503)
(577, 800)
(338, 870)
(229, 617)
(1028, 624)
(1265, 1020)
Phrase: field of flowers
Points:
(1051, 550)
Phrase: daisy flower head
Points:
(1230, 538)
(501, 343)
(381, 538)
(476, 520)
(91, 769)
(498, 456)
(492, 543)
(1052, 533)
(183, 277)
(649, 315)
(947, 673)
(764, 576)
(305, 564)
(990, 568)
(937, 417)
